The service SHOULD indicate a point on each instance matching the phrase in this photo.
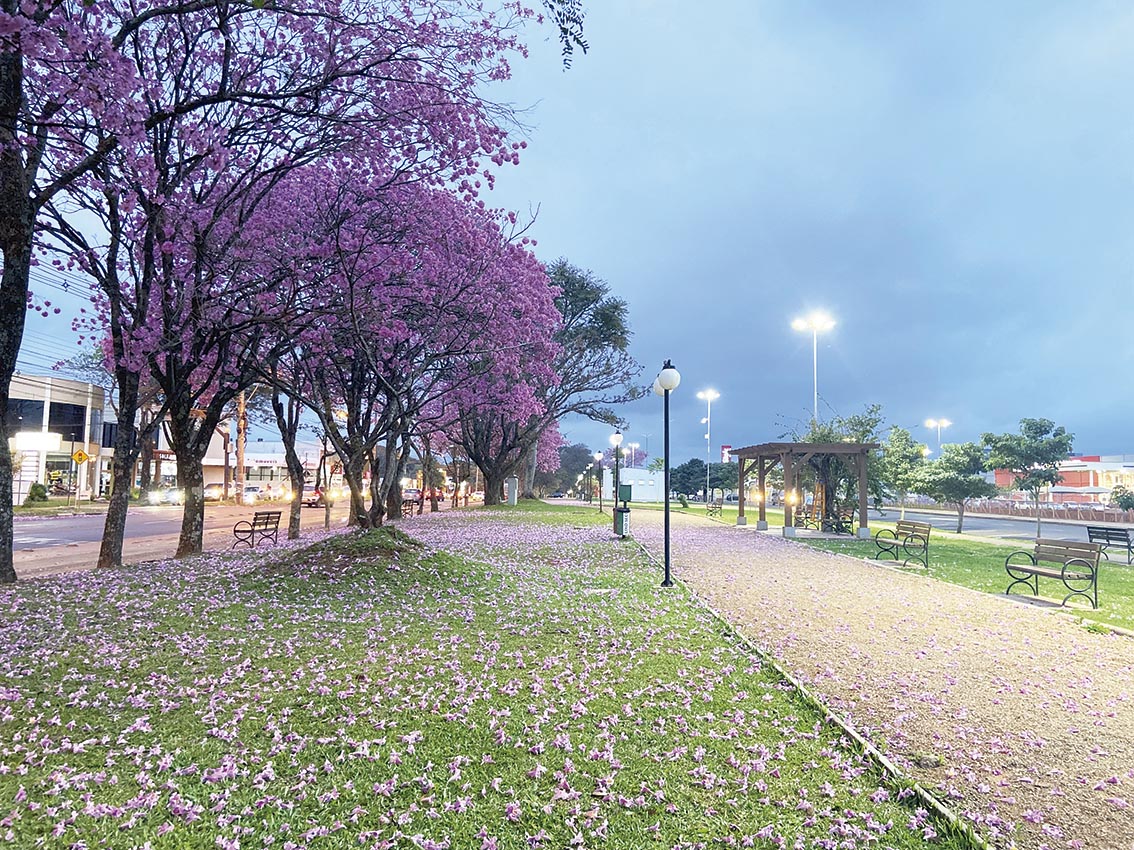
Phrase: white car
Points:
(252, 494)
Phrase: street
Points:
(1010, 528)
(45, 546)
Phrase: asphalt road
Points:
(141, 521)
(1006, 527)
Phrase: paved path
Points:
(1017, 714)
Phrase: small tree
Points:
(902, 460)
(1122, 497)
(956, 477)
(1032, 456)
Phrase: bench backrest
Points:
(1105, 534)
(909, 526)
(1061, 551)
(262, 519)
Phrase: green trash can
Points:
(621, 521)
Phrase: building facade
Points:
(51, 422)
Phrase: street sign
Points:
(80, 456)
(726, 456)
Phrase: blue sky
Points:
(951, 181)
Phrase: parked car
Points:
(558, 494)
(252, 494)
(214, 492)
(313, 496)
(411, 494)
(166, 496)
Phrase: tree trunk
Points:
(529, 468)
(902, 506)
(493, 486)
(121, 468)
(191, 479)
(145, 475)
(960, 515)
(17, 226)
(1039, 519)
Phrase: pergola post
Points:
(741, 519)
(762, 471)
(789, 492)
(863, 522)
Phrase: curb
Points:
(890, 771)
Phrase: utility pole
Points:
(241, 439)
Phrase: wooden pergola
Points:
(792, 456)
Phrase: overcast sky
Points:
(952, 182)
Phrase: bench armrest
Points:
(242, 525)
(893, 534)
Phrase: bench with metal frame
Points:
(841, 523)
(264, 525)
(1108, 535)
(908, 538)
(1078, 568)
(714, 508)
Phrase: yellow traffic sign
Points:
(80, 456)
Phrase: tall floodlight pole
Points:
(708, 396)
(817, 323)
(938, 424)
(665, 383)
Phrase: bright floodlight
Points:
(816, 322)
(937, 423)
(708, 395)
(616, 439)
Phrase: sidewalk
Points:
(1018, 716)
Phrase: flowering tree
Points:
(249, 99)
(591, 372)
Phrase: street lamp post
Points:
(938, 424)
(633, 452)
(817, 323)
(598, 474)
(616, 441)
(665, 383)
(708, 396)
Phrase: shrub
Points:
(36, 493)
(684, 501)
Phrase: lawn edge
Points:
(891, 772)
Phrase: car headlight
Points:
(153, 497)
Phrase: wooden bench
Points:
(265, 525)
(1078, 568)
(908, 538)
(841, 523)
(408, 507)
(714, 508)
(1108, 535)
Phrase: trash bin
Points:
(621, 521)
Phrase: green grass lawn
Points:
(973, 562)
(525, 684)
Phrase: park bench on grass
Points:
(714, 508)
(908, 538)
(1077, 567)
(265, 525)
(1108, 535)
